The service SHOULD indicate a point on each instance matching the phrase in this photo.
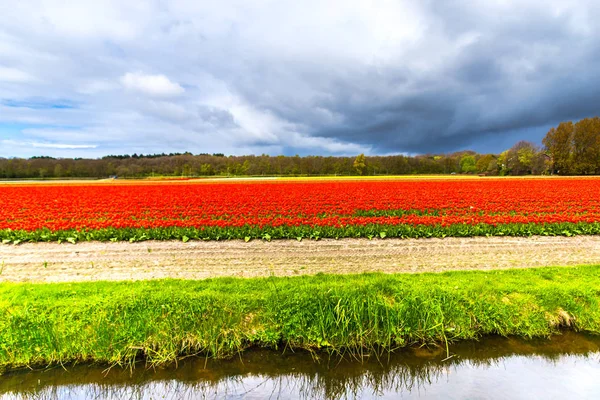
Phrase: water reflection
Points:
(564, 366)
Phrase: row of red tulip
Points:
(295, 203)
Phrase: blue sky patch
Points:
(40, 104)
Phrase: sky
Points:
(312, 77)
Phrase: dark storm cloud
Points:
(521, 71)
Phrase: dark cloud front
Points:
(524, 73)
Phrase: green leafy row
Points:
(397, 212)
(8, 236)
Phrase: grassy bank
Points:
(118, 322)
(8, 236)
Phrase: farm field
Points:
(299, 209)
(122, 261)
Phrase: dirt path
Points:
(52, 262)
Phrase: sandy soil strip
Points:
(52, 262)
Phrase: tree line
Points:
(188, 165)
(574, 148)
(569, 149)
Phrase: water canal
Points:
(564, 366)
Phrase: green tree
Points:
(483, 163)
(493, 168)
(206, 169)
(468, 164)
(245, 167)
(586, 146)
(503, 163)
(360, 164)
(558, 144)
(520, 158)
(58, 171)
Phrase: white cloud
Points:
(98, 86)
(63, 146)
(152, 85)
(48, 145)
(14, 75)
(83, 19)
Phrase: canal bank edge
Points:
(163, 320)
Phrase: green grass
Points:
(8, 236)
(160, 321)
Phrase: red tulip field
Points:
(299, 209)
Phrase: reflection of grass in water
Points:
(263, 373)
(304, 385)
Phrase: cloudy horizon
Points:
(94, 78)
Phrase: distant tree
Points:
(110, 169)
(245, 167)
(360, 164)
(206, 169)
(520, 158)
(493, 168)
(586, 146)
(580, 153)
(540, 165)
(503, 163)
(468, 164)
(558, 144)
(483, 163)
(58, 171)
